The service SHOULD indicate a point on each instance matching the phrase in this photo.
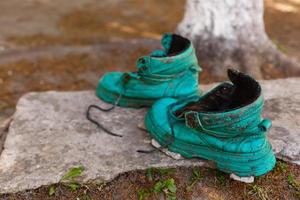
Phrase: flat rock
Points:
(49, 134)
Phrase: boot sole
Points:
(242, 164)
(125, 101)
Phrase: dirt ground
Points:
(212, 185)
(68, 45)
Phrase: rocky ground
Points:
(68, 45)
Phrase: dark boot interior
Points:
(178, 45)
(244, 91)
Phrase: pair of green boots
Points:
(224, 125)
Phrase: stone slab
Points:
(49, 134)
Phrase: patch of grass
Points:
(143, 193)
(165, 171)
(282, 166)
(167, 187)
(52, 190)
(196, 176)
(152, 172)
(221, 179)
(73, 186)
(73, 173)
(260, 192)
(100, 186)
(294, 184)
(68, 180)
(149, 174)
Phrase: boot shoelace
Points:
(124, 80)
(88, 116)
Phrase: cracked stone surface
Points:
(49, 134)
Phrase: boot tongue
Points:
(243, 82)
(173, 44)
(246, 88)
(166, 42)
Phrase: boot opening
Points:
(244, 91)
(178, 45)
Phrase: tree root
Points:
(287, 65)
(265, 62)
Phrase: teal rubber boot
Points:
(171, 72)
(224, 126)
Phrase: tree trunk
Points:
(231, 34)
